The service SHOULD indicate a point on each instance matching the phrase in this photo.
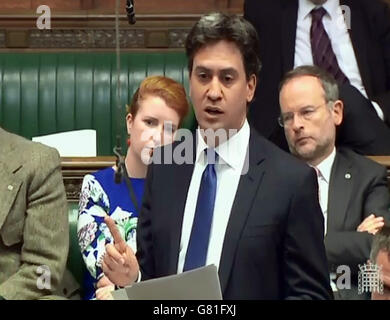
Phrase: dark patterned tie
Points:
(321, 47)
(200, 234)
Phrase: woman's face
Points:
(154, 124)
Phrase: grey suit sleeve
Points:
(45, 234)
(306, 271)
(351, 247)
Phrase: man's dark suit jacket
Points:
(357, 188)
(276, 21)
(273, 246)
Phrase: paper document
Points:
(198, 284)
(79, 143)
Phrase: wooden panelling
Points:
(74, 170)
(58, 4)
(161, 24)
(108, 6)
(15, 5)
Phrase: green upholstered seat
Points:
(75, 261)
(44, 93)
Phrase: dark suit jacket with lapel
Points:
(357, 188)
(33, 219)
(273, 246)
(276, 21)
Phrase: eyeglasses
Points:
(307, 113)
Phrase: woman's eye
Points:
(149, 122)
(169, 130)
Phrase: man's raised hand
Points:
(119, 263)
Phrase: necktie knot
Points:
(211, 156)
(318, 13)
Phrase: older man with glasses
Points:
(353, 192)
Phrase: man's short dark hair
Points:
(381, 242)
(328, 83)
(215, 27)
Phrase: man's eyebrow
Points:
(202, 68)
(229, 70)
(224, 70)
(307, 106)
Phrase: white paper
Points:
(79, 143)
(198, 284)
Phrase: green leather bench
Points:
(44, 93)
(75, 263)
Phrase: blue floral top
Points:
(100, 195)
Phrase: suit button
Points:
(10, 187)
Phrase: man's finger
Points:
(367, 219)
(375, 225)
(103, 282)
(386, 279)
(370, 223)
(112, 264)
(113, 253)
(118, 240)
(106, 269)
(99, 295)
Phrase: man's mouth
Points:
(213, 111)
(302, 139)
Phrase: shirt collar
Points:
(325, 167)
(231, 152)
(332, 7)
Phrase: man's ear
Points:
(129, 123)
(337, 112)
(251, 88)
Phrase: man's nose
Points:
(215, 89)
(297, 123)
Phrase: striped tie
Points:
(321, 47)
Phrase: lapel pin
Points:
(348, 176)
(10, 188)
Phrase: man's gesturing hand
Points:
(371, 224)
(119, 263)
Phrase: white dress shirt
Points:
(324, 170)
(323, 176)
(230, 163)
(337, 30)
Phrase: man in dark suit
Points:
(239, 202)
(355, 51)
(353, 191)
